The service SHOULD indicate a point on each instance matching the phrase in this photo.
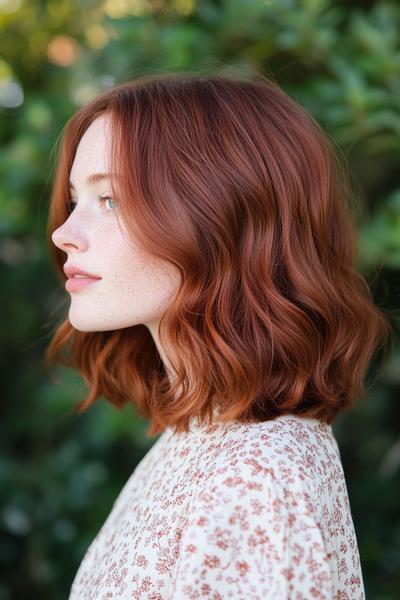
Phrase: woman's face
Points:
(134, 288)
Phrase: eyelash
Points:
(72, 204)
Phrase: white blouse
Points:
(244, 511)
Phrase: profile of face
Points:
(134, 288)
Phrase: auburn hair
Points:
(233, 182)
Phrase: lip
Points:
(76, 283)
(71, 270)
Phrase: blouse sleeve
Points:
(250, 536)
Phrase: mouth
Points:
(78, 282)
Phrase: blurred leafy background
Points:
(59, 472)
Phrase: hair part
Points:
(233, 182)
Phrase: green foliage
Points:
(60, 473)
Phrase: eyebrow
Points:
(94, 178)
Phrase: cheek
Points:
(151, 282)
(163, 282)
(132, 271)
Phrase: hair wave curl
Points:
(232, 181)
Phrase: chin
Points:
(89, 326)
(84, 324)
(83, 327)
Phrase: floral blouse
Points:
(235, 511)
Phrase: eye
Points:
(70, 206)
(105, 198)
(72, 203)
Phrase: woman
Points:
(212, 219)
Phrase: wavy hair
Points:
(232, 181)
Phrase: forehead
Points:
(92, 153)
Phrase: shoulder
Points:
(253, 526)
(279, 454)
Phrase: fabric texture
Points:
(237, 511)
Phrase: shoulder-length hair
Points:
(233, 182)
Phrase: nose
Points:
(67, 239)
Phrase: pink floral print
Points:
(238, 511)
